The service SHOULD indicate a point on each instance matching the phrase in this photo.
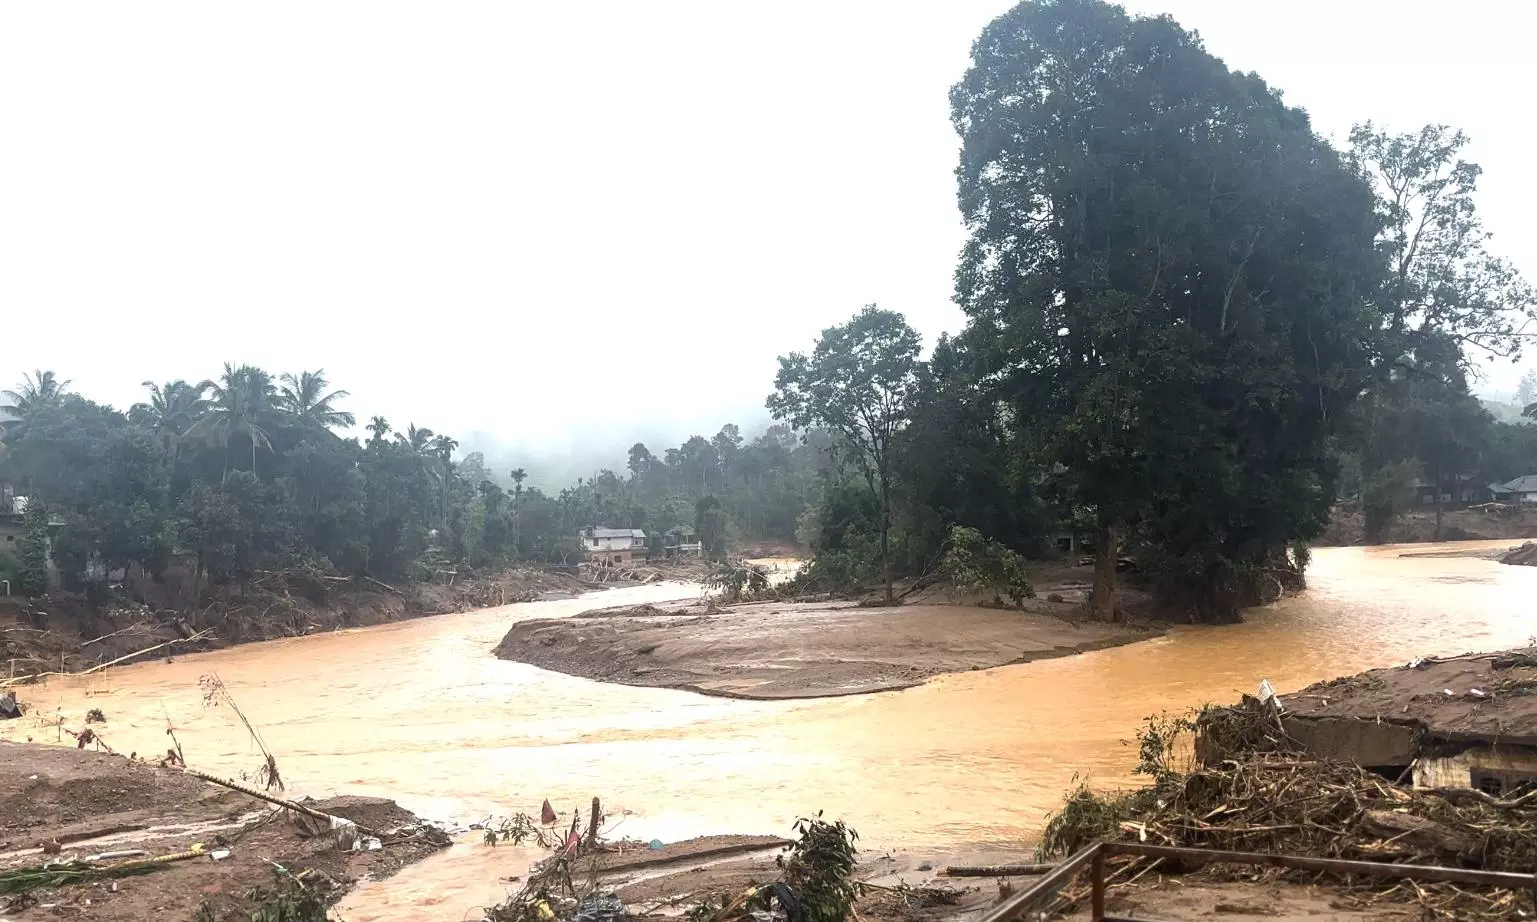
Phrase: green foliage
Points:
(1177, 360)
(1086, 817)
(32, 552)
(976, 564)
(287, 900)
(857, 383)
(1387, 493)
(819, 868)
(1163, 747)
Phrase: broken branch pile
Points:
(1241, 797)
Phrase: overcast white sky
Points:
(518, 217)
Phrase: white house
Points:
(615, 547)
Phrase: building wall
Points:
(1508, 765)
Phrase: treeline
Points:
(246, 474)
(1188, 316)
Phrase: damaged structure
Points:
(1463, 722)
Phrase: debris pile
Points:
(816, 882)
(1523, 556)
(1248, 790)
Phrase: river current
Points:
(420, 711)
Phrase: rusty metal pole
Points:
(1097, 875)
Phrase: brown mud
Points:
(1486, 695)
(67, 632)
(778, 650)
(85, 803)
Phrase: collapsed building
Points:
(1463, 722)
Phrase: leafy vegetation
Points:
(247, 473)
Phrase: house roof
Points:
(680, 530)
(1527, 484)
(614, 533)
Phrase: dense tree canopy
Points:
(1174, 278)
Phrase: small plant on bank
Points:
(819, 869)
(95, 716)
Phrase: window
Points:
(594, 542)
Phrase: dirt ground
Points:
(65, 632)
(1348, 528)
(1201, 897)
(1492, 695)
(90, 802)
(799, 649)
(907, 888)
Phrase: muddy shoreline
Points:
(792, 650)
(67, 632)
(58, 802)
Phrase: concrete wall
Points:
(1345, 739)
(1502, 767)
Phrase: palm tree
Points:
(518, 476)
(443, 446)
(418, 440)
(304, 395)
(40, 388)
(172, 410)
(242, 402)
(380, 427)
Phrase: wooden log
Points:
(998, 870)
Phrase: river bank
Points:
(777, 650)
(68, 632)
(1488, 522)
(58, 802)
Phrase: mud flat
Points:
(777, 650)
(57, 802)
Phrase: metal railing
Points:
(1093, 858)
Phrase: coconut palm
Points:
(241, 405)
(418, 440)
(518, 476)
(443, 446)
(380, 427)
(40, 388)
(172, 409)
(304, 395)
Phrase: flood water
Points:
(421, 712)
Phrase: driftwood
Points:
(286, 804)
(998, 870)
(382, 584)
(100, 666)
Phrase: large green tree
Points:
(857, 383)
(1174, 276)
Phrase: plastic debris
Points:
(219, 854)
(656, 844)
(1477, 693)
(1449, 693)
(1266, 692)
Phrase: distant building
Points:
(1456, 490)
(682, 541)
(1521, 490)
(614, 547)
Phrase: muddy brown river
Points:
(421, 712)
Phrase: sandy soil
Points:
(799, 649)
(1507, 707)
(91, 802)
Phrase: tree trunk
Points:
(1437, 536)
(886, 539)
(1102, 601)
